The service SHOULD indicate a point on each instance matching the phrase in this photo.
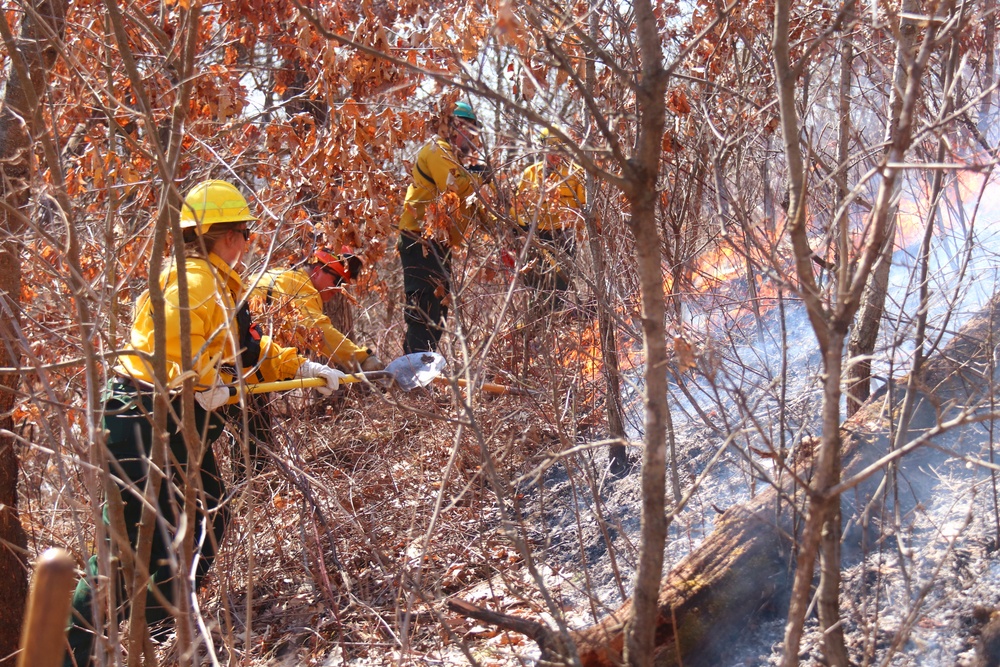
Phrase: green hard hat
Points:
(464, 111)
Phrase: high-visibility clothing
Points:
(555, 197)
(214, 290)
(436, 172)
(288, 300)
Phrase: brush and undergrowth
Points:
(372, 508)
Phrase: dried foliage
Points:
(375, 510)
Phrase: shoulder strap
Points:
(424, 174)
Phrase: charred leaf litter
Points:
(918, 597)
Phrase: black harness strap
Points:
(424, 174)
(249, 340)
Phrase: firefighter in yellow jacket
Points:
(442, 182)
(550, 200)
(224, 344)
(295, 297)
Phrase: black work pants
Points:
(127, 421)
(427, 283)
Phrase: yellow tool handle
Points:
(288, 385)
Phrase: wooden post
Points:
(43, 641)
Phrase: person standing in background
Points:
(440, 178)
(550, 200)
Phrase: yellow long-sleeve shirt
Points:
(554, 196)
(214, 289)
(436, 172)
(293, 306)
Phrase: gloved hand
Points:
(213, 398)
(310, 369)
(372, 363)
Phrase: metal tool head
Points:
(416, 370)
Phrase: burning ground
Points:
(917, 585)
(913, 591)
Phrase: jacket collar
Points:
(228, 275)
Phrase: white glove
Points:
(310, 369)
(213, 398)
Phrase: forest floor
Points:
(382, 511)
(377, 507)
(914, 599)
(374, 508)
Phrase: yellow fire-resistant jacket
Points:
(437, 171)
(214, 289)
(554, 196)
(288, 299)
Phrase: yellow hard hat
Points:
(547, 138)
(212, 202)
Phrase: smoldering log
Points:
(746, 565)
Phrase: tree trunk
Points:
(609, 345)
(338, 309)
(865, 332)
(988, 9)
(642, 177)
(32, 57)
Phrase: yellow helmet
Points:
(547, 138)
(212, 202)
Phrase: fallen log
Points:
(746, 564)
